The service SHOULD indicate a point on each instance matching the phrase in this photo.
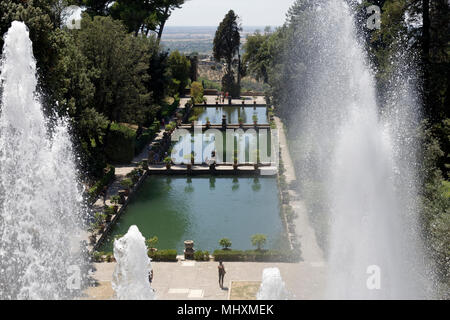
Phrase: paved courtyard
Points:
(199, 280)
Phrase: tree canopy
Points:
(227, 41)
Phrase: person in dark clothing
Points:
(104, 194)
(222, 272)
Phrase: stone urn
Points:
(189, 249)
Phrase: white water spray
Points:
(360, 163)
(40, 204)
(130, 278)
(272, 286)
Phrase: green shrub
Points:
(200, 255)
(120, 147)
(229, 255)
(163, 255)
(115, 199)
(127, 183)
(109, 210)
(135, 174)
(95, 190)
(98, 256)
(146, 137)
(168, 160)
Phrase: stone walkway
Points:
(311, 252)
(184, 280)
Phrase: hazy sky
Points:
(212, 12)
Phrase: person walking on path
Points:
(104, 194)
(222, 272)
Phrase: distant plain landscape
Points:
(197, 39)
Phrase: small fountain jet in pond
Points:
(131, 275)
(272, 286)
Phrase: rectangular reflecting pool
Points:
(204, 209)
(232, 113)
(245, 147)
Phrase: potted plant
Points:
(144, 164)
(258, 241)
(127, 185)
(254, 100)
(217, 100)
(243, 100)
(255, 119)
(151, 243)
(115, 201)
(241, 121)
(168, 162)
(100, 221)
(192, 120)
(205, 101)
(208, 123)
(225, 243)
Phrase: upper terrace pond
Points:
(204, 209)
(232, 113)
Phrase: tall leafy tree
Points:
(138, 15)
(227, 41)
(179, 66)
(119, 67)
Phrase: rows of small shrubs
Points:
(146, 137)
(107, 178)
(163, 255)
(256, 255)
(135, 175)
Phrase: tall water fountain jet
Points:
(40, 203)
(130, 278)
(359, 159)
(272, 286)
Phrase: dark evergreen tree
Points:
(227, 41)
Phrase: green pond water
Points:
(233, 114)
(204, 209)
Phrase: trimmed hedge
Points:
(121, 142)
(256, 255)
(146, 137)
(95, 190)
(163, 255)
(200, 255)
